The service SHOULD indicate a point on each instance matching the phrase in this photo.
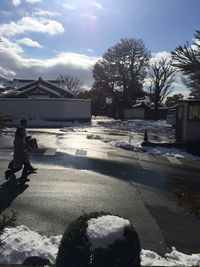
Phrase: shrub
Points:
(6, 221)
(3, 120)
(75, 248)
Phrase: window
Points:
(194, 112)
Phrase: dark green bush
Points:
(6, 221)
(74, 249)
(3, 120)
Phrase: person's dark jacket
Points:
(20, 152)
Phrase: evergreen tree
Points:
(173, 100)
(187, 59)
(122, 69)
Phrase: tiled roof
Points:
(41, 84)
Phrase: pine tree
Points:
(187, 59)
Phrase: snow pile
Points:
(168, 152)
(21, 242)
(98, 137)
(94, 136)
(137, 125)
(175, 258)
(104, 230)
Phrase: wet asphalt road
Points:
(84, 175)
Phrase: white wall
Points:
(54, 108)
(191, 128)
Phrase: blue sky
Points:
(51, 37)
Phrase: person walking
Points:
(20, 156)
(23, 124)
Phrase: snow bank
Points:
(105, 230)
(175, 258)
(169, 152)
(98, 137)
(137, 125)
(21, 242)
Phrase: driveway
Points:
(77, 174)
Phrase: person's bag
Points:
(31, 144)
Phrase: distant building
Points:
(22, 88)
(40, 99)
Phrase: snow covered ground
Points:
(139, 126)
(21, 242)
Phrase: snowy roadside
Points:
(137, 147)
(21, 242)
(126, 134)
(139, 126)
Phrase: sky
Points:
(46, 38)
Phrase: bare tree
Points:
(162, 76)
(71, 83)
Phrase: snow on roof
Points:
(44, 85)
(58, 87)
(43, 88)
(104, 230)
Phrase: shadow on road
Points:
(129, 170)
(9, 191)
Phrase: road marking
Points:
(143, 156)
(97, 154)
(81, 153)
(146, 165)
(50, 152)
(174, 160)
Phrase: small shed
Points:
(188, 121)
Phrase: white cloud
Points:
(10, 47)
(89, 16)
(44, 13)
(90, 50)
(29, 42)
(30, 24)
(5, 13)
(6, 72)
(33, 1)
(159, 55)
(14, 64)
(69, 6)
(99, 6)
(16, 2)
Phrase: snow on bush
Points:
(104, 230)
(99, 239)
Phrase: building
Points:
(38, 100)
(188, 121)
(22, 88)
